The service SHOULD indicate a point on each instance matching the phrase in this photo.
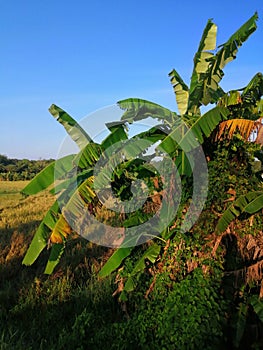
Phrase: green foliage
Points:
(20, 169)
(47, 176)
(172, 291)
(76, 132)
(249, 203)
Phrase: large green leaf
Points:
(115, 261)
(138, 109)
(46, 177)
(150, 254)
(47, 225)
(88, 156)
(189, 137)
(249, 203)
(180, 90)
(201, 64)
(205, 86)
(42, 234)
(54, 257)
(253, 92)
(118, 133)
(75, 131)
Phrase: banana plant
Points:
(176, 137)
(246, 110)
(189, 128)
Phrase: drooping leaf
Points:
(75, 131)
(150, 254)
(54, 257)
(254, 90)
(115, 261)
(46, 177)
(138, 109)
(189, 137)
(41, 236)
(60, 231)
(154, 134)
(249, 203)
(244, 126)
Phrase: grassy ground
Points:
(39, 311)
(19, 218)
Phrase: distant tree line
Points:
(20, 169)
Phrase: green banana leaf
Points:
(41, 236)
(206, 89)
(188, 138)
(138, 109)
(72, 181)
(181, 91)
(253, 91)
(57, 250)
(118, 134)
(88, 156)
(114, 261)
(201, 65)
(150, 254)
(249, 203)
(47, 225)
(45, 178)
(75, 131)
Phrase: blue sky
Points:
(85, 55)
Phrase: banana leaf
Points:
(88, 156)
(138, 109)
(118, 134)
(114, 261)
(46, 177)
(189, 137)
(41, 236)
(206, 88)
(47, 225)
(181, 91)
(75, 131)
(54, 257)
(249, 203)
(150, 254)
(201, 65)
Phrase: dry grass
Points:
(19, 218)
(32, 304)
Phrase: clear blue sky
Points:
(84, 55)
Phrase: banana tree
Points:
(177, 139)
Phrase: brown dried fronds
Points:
(229, 127)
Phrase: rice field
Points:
(30, 316)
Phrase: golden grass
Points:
(19, 218)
